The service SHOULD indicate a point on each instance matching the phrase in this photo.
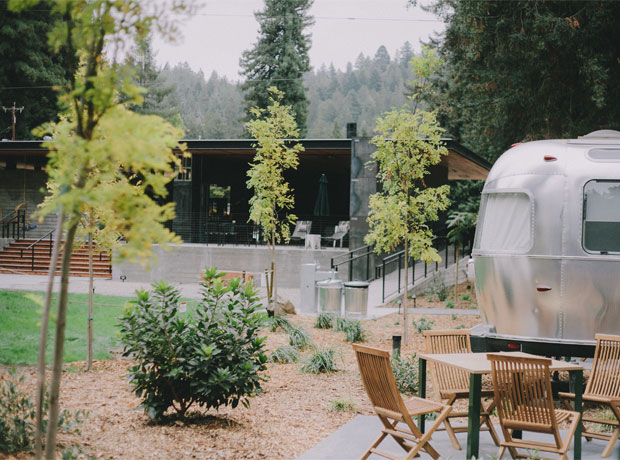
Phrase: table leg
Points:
(576, 387)
(421, 388)
(473, 422)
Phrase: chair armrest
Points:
(566, 395)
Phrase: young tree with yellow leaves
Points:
(103, 156)
(275, 131)
(408, 143)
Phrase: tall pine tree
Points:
(279, 57)
(159, 97)
(527, 70)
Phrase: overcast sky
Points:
(215, 37)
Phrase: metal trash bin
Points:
(330, 296)
(356, 298)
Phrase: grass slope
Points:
(20, 327)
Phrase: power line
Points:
(334, 18)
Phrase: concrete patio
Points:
(350, 442)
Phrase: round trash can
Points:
(330, 296)
(356, 298)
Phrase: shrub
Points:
(449, 304)
(466, 297)
(213, 357)
(299, 338)
(423, 325)
(322, 360)
(279, 323)
(406, 374)
(284, 355)
(354, 331)
(436, 289)
(342, 405)
(17, 417)
(460, 326)
(324, 321)
(340, 324)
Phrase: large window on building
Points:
(601, 216)
(505, 223)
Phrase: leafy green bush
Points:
(406, 374)
(437, 289)
(449, 304)
(279, 323)
(354, 331)
(324, 321)
(423, 325)
(342, 405)
(322, 360)
(213, 357)
(299, 338)
(466, 297)
(17, 417)
(284, 355)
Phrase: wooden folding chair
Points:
(524, 402)
(451, 385)
(603, 388)
(378, 378)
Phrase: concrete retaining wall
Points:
(184, 262)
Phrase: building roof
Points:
(461, 162)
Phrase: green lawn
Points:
(20, 326)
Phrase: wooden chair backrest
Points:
(605, 375)
(379, 381)
(523, 393)
(448, 341)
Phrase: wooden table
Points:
(477, 364)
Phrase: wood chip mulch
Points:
(291, 416)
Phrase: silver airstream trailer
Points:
(547, 246)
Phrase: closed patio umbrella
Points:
(321, 205)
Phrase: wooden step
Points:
(15, 258)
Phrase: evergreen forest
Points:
(211, 107)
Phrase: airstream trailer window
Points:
(505, 223)
(604, 154)
(601, 216)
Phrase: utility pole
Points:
(14, 118)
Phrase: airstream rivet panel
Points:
(547, 246)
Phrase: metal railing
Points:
(234, 229)
(351, 257)
(14, 224)
(395, 264)
(33, 245)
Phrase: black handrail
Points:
(14, 219)
(398, 256)
(32, 247)
(349, 258)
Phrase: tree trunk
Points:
(405, 296)
(38, 433)
(52, 423)
(274, 286)
(89, 358)
(456, 274)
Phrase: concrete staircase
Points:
(14, 258)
